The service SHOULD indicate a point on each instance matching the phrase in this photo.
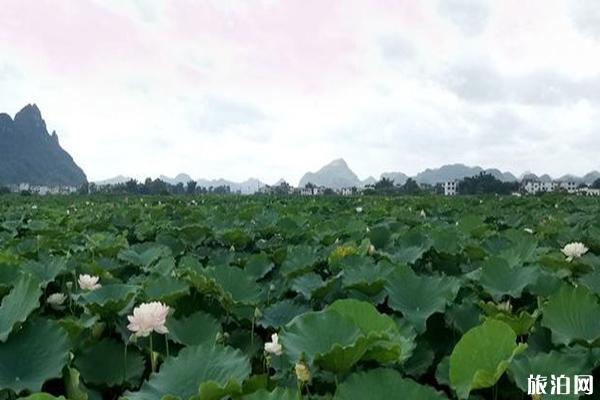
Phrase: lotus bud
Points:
(371, 250)
(302, 372)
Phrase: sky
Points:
(275, 88)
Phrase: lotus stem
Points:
(152, 360)
(167, 344)
(125, 362)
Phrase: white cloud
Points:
(500, 84)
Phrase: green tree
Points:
(191, 187)
(486, 183)
(410, 187)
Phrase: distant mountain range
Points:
(29, 154)
(458, 171)
(248, 186)
(337, 174)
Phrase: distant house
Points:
(312, 190)
(450, 188)
(569, 186)
(42, 190)
(348, 191)
(536, 186)
(586, 191)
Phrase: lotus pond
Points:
(257, 298)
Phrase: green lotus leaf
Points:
(384, 384)
(390, 344)
(521, 323)
(463, 316)
(18, 304)
(208, 286)
(522, 248)
(238, 238)
(9, 275)
(277, 394)
(446, 240)
(325, 338)
(299, 260)
(420, 360)
(572, 316)
(144, 255)
(481, 356)
(258, 265)
(306, 284)
(33, 355)
(499, 279)
(195, 329)
(204, 372)
(411, 247)
(105, 363)
(311, 285)
(591, 281)
(367, 277)
(166, 289)
(280, 313)
(235, 282)
(109, 300)
(548, 364)
(364, 315)
(42, 396)
(418, 297)
(74, 388)
(379, 236)
(47, 270)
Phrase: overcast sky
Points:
(274, 88)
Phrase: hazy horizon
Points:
(272, 89)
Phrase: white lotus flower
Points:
(528, 230)
(423, 215)
(148, 317)
(88, 282)
(574, 250)
(359, 209)
(34, 207)
(371, 250)
(273, 346)
(56, 299)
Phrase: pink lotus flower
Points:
(148, 317)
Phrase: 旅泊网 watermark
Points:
(560, 385)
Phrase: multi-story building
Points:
(450, 188)
(535, 186)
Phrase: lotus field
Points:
(257, 298)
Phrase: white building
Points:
(569, 186)
(348, 191)
(534, 186)
(450, 188)
(588, 192)
(43, 190)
